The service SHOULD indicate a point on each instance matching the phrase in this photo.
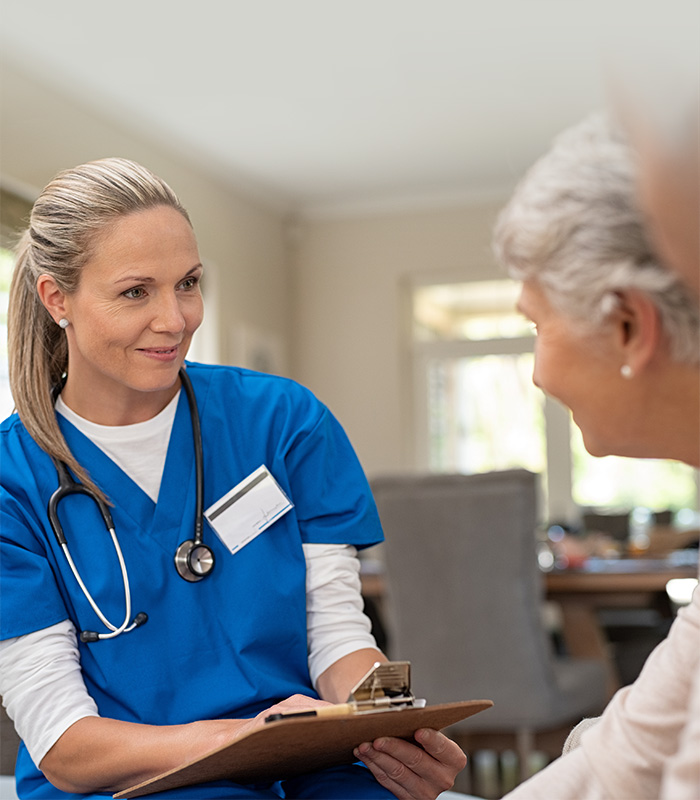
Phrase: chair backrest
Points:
(9, 744)
(465, 591)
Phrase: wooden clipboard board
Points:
(290, 747)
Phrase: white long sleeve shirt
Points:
(40, 678)
(647, 742)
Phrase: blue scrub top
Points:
(231, 644)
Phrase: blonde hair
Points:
(64, 227)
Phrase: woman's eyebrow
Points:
(150, 279)
(134, 279)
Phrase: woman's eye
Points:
(136, 293)
(189, 283)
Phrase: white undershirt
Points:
(40, 678)
(139, 449)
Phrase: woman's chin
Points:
(596, 448)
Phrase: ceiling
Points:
(321, 104)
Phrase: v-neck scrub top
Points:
(229, 645)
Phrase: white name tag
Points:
(248, 509)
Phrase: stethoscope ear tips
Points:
(92, 636)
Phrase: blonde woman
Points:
(135, 636)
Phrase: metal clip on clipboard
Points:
(386, 686)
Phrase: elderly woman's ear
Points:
(636, 331)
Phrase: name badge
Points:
(248, 509)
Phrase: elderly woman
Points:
(618, 343)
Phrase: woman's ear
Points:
(637, 329)
(53, 298)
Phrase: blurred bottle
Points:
(641, 520)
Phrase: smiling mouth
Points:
(159, 350)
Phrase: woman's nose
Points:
(169, 317)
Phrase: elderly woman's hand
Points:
(414, 772)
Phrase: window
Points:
(468, 311)
(14, 213)
(484, 413)
(6, 263)
(630, 482)
(476, 408)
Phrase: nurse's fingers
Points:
(291, 705)
(441, 748)
(410, 772)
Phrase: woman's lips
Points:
(160, 353)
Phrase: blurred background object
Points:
(464, 603)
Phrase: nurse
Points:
(118, 660)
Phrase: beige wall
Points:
(42, 131)
(328, 291)
(350, 320)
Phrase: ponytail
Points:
(38, 359)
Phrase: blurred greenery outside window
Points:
(478, 410)
(14, 216)
(6, 262)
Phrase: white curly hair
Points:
(574, 225)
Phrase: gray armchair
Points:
(465, 601)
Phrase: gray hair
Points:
(574, 225)
(65, 225)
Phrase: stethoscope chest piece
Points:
(193, 560)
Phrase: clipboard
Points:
(297, 743)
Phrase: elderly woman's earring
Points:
(626, 371)
(63, 323)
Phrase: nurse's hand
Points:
(414, 772)
(293, 704)
(98, 754)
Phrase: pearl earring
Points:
(626, 371)
(63, 323)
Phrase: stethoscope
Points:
(194, 560)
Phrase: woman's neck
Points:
(675, 414)
(118, 408)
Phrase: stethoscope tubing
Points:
(198, 458)
(68, 486)
(124, 627)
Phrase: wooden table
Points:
(617, 583)
(581, 593)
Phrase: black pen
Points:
(337, 710)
